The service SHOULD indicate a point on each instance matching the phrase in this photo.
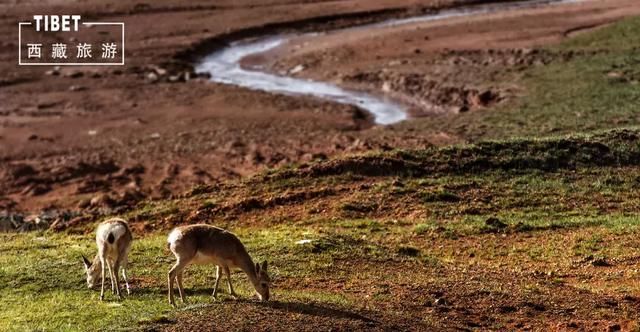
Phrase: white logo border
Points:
(20, 63)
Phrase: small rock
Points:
(36, 189)
(614, 74)
(74, 74)
(155, 135)
(130, 196)
(397, 183)
(386, 86)
(296, 69)
(77, 88)
(102, 200)
(84, 203)
(440, 302)
(152, 77)
(160, 71)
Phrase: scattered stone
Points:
(130, 197)
(19, 223)
(440, 302)
(254, 158)
(160, 71)
(74, 74)
(614, 74)
(84, 203)
(77, 88)
(102, 200)
(152, 77)
(36, 189)
(52, 72)
(297, 69)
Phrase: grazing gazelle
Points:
(205, 244)
(113, 238)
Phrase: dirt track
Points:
(116, 136)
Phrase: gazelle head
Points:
(263, 281)
(93, 272)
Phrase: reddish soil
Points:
(108, 136)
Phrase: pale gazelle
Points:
(205, 244)
(113, 238)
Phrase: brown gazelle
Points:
(205, 244)
(113, 238)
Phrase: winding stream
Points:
(224, 64)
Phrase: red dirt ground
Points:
(156, 139)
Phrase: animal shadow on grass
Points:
(163, 291)
(316, 309)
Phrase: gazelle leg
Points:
(122, 263)
(102, 263)
(173, 276)
(126, 282)
(116, 267)
(113, 284)
(228, 273)
(171, 279)
(180, 287)
(215, 286)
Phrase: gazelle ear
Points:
(264, 266)
(257, 268)
(87, 263)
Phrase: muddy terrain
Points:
(107, 137)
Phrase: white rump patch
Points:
(174, 236)
(104, 230)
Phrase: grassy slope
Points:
(586, 93)
(395, 232)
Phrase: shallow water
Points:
(224, 64)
